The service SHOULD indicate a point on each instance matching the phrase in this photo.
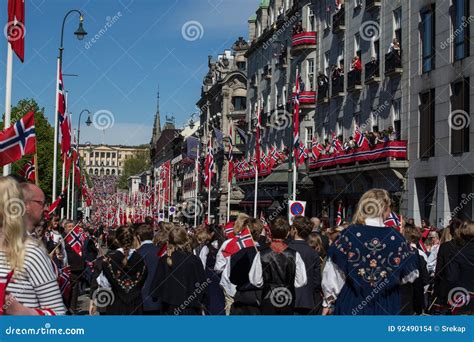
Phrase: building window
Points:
(90, 171)
(459, 117)
(460, 31)
(327, 67)
(329, 9)
(239, 102)
(356, 121)
(308, 136)
(102, 154)
(113, 155)
(427, 36)
(374, 120)
(340, 57)
(339, 130)
(427, 124)
(241, 66)
(357, 45)
(311, 26)
(396, 122)
(310, 74)
(397, 25)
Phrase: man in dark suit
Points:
(149, 253)
(308, 298)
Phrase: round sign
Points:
(296, 208)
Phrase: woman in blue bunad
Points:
(368, 262)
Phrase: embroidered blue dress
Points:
(373, 261)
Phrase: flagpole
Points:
(56, 119)
(196, 175)
(169, 193)
(36, 169)
(257, 162)
(62, 186)
(228, 201)
(209, 188)
(73, 190)
(8, 98)
(295, 175)
(68, 197)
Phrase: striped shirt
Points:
(34, 286)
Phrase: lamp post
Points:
(80, 33)
(88, 123)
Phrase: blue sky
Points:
(120, 72)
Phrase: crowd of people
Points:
(247, 267)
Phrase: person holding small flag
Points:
(74, 239)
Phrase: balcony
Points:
(338, 21)
(372, 72)
(307, 98)
(372, 4)
(354, 80)
(393, 63)
(303, 41)
(390, 150)
(337, 86)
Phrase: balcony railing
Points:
(381, 151)
(303, 40)
(354, 80)
(307, 97)
(337, 86)
(372, 4)
(393, 63)
(338, 21)
(372, 72)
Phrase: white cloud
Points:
(125, 133)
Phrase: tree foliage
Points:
(136, 164)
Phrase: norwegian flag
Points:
(339, 215)
(393, 220)
(15, 28)
(360, 139)
(240, 241)
(274, 155)
(263, 162)
(296, 117)
(229, 230)
(28, 171)
(18, 140)
(336, 143)
(56, 203)
(64, 120)
(266, 226)
(302, 154)
(230, 156)
(316, 148)
(75, 239)
(209, 164)
(64, 282)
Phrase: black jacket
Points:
(240, 264)
(149, 253)
(308, 296)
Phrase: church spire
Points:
(157, 124)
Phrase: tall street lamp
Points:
(80, 34)
(88, 123)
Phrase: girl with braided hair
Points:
(179, 282)
(122, 278)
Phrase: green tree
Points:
(136, 164)
(44, 144)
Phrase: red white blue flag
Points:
(18, 140)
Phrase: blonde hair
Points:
(12, 226)
(178, 240)
(373, 204)
(239, 222)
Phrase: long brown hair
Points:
(373, 204)
(178, 240)
(125, 239)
